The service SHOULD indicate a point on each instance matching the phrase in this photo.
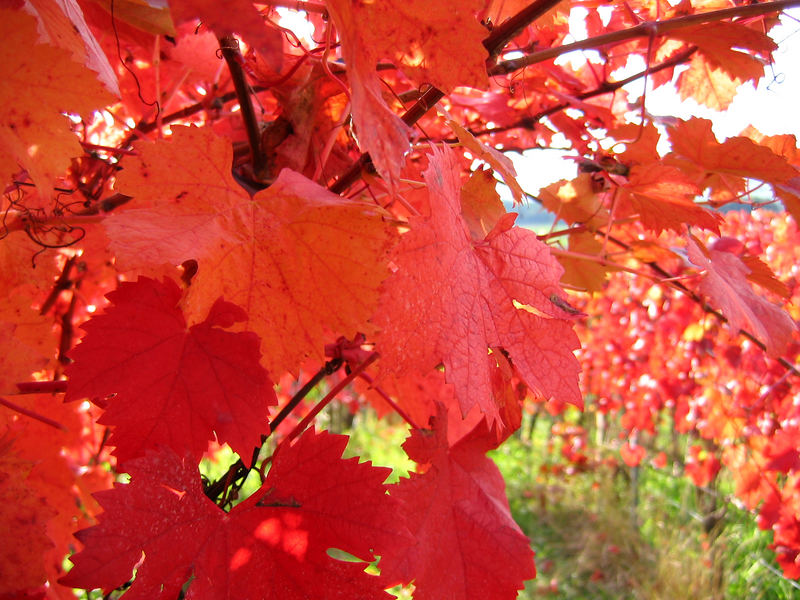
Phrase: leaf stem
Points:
(395, 407)
(32, 414)
(238, 470)
(329, 368)
(601, 261)
(301, 426)
(309, 7)
(56, 386)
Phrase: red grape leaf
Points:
(380, 131)
(234, 16)
(36, 135)
(782, 451)
(467, 544)
(438, 43)
(632, 455)
(701, 466)
(491, 156)
(171, 385)
(725, 283)
(274, 544)
(294, 257)
(450, 300)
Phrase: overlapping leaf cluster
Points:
(218, 235)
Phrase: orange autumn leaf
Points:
(481, 206)
(728, 55)
(23, 523)
(724, 166)
(580, 273)
(424, 38)
(576, 201)
(694, 141)
(734, 48)
(640, 143)
(36, 135)
(663, 196)
(294, 257)
(493, 157)
(66, 27)
(708, 85)
(27, 339)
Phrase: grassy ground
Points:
(643, 533)
(615, 532)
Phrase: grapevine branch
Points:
(238, 470)
(510, 28)
(608, 87)
(646, 29)
(301, 426)
(229, 46)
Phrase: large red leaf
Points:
(171, 385)
(451, 299)
(273, 545)
(302, 262)
(467, 544)
(725, 283)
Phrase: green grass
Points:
(616, 532)
(613, 532)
